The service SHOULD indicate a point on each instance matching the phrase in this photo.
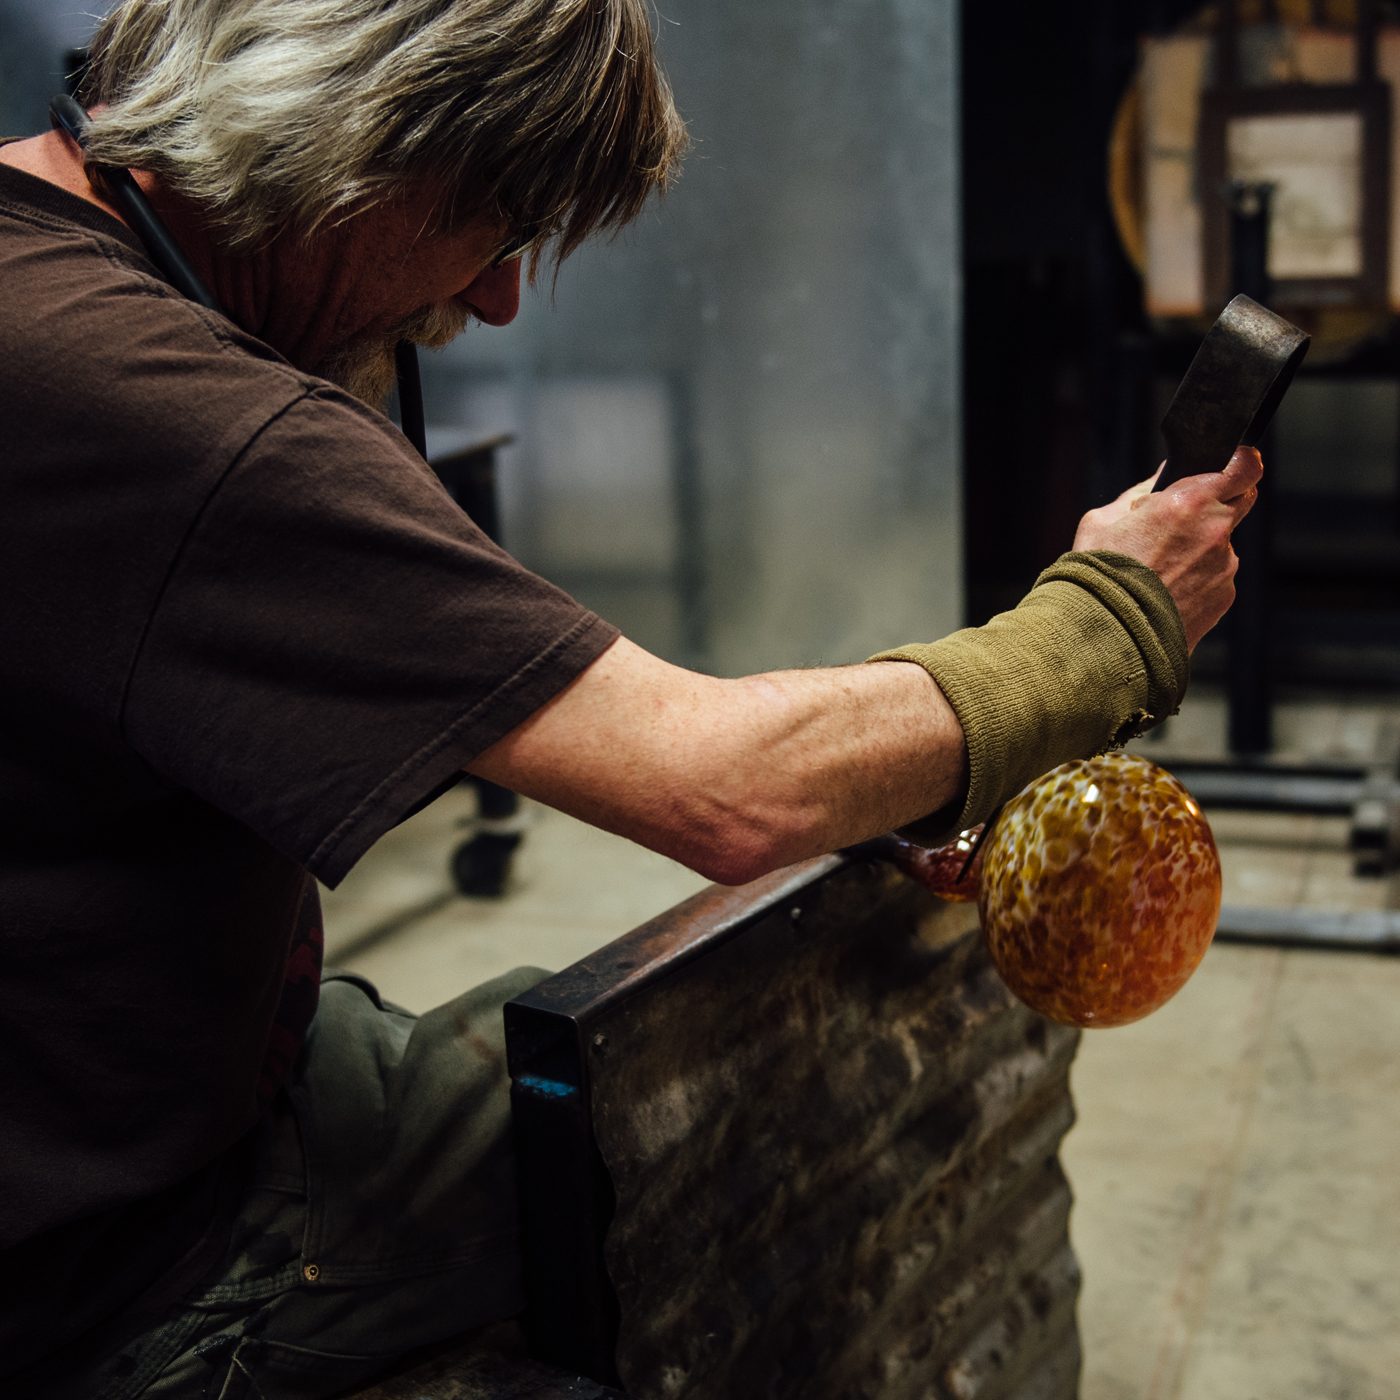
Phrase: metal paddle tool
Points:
(1226, 400)
(1232, 389)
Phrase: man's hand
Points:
(1184, 535)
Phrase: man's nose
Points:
(494, 297)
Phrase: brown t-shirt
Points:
(243, 632)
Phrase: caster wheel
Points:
(481, 866)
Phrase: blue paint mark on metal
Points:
(546, 1088)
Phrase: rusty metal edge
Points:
(654, 949)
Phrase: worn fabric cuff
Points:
(1092, 656)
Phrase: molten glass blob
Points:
(952, 872)
(1100, 891)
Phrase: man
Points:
(244, 633)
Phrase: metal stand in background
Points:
(1249, 675)
(1250, 780)
(481, 864)
(1369, 797)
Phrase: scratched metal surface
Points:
(833, 1141)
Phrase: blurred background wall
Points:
(738, 423)
(736, 427)
(34, 37)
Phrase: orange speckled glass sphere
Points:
(1100, 890)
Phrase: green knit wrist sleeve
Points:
(1094, 654)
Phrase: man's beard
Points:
(365, 368)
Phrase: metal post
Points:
(1250, 678)
(1366, 19)
(481, 865)
(1229, 47)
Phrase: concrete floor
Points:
(1235, 1160)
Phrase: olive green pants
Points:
(381, 1214)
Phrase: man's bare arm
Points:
(737, 777)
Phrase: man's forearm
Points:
(737, 777)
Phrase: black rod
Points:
(1228, 76)
(411, 418)
(1366, 42)
(70, 118)
(1250, 669)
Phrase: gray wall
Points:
(737, 427)
(755, 391)
(34, 36)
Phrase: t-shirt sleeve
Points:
(336, 640)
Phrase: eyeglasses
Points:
(519, 247)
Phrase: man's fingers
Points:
(1247, 468)
(1235, 484)
(1142, 492)
(1242, 504)
(1241, 474)
(1138, 490)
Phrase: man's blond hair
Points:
(551, 117)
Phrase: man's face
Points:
(335, 303)
(392, 281)
(365, 366)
